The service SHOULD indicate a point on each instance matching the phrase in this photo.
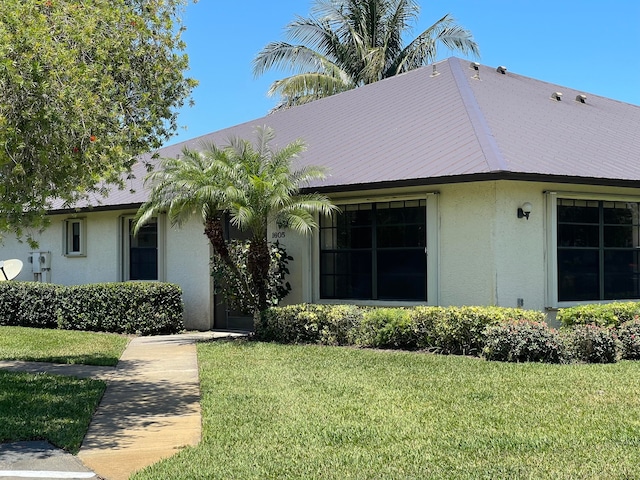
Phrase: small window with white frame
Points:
(74, 237)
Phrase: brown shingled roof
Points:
(459, 125)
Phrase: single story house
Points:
(458, 183)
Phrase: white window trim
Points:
(551, 220)
(67, 237)
(125, 248)
(432, 251)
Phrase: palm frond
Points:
(423, 49)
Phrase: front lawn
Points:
(47, 407)
(274, 411)
(61, 346)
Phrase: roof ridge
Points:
(482, 131)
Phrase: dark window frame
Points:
(587, 242)
(366, 244)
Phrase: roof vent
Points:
(581, 98)
(435, 72)
(556, 96)
(502, 70)
(475, 66)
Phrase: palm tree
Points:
(255, 185)
(266, 191)
(350, 43)
(194, 184)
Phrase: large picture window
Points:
(598, 245)
(375, 251)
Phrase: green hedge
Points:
(605, 315)
(524, 341)
(146, 308)
(29, 304)
(457, 330)
(497, 333)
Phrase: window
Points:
(74, 237)
(598, 247)
(375, 251)
(141, 252)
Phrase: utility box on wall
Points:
(40, 263)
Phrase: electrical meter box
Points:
(40, 261)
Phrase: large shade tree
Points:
(345, 44)
(255, 183)
(85, 87)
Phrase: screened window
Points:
(374, 251)
(74, 237)
(598, 246)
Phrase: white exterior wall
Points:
(187, 263)
(480, 253)
(301, 268)
(520, 246)
(467, 226)
(184, 258)
(486, 255)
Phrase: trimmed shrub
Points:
(144, 308)
(29, 304)
(604, 315)
(445, 330)
(289, 324)
(523, 341)
(385, 328)
(593, 344)
(309, 323)
(461, 330)
(629, 336)
(338, 323)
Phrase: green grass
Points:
(273, 411)
(47, 407)
(61, 346)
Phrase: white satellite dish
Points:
(10, 269)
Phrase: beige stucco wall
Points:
(486, 254)
(482, 254)
(186, 259)
(467, 225)
(187, 263)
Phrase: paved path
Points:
(151, 406)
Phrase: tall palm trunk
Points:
(214, 231)
(258, 263)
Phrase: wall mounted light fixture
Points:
(525, 210)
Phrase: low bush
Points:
(290, 324)
(593, 344)
(338, 324)
(309, 323)
(604, 315)
(460, 330)
(456, 330)
(29, 304)
(146, 308)
(629, 336)
(385, 328)
(523, 341)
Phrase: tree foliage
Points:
(231, 287)
(256, 185)
(84, 88)
(345, 44)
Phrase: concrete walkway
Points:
(150, 408)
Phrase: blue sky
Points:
(590, 45)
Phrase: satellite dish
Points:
(10, 269)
